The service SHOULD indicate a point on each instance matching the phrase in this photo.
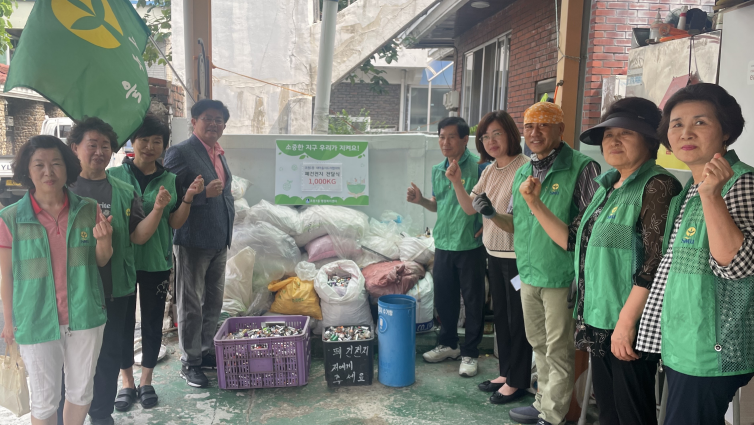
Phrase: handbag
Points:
(14, 392)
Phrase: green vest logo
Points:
(555, 189)
(689, 238)
(612, 213)
(84, 237)
(90, 20)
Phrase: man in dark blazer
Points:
(201, 245)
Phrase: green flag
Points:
(86, 57)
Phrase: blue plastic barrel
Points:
(396, 329)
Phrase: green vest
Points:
(615, 248)
(122, 261)
(35, 313)
(454, 229)
(541, 262)
(157, 254)
(707, 321)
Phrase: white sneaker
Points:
(440, 353)
(468, 367)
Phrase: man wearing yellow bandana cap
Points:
(545, 269)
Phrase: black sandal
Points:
(147, 397)
(125, 399)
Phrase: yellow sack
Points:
(295, 296)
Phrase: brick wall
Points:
(384, 109)
(533, 49)
(610, 32)
(28, 116)
(166, 93)
(53, 111)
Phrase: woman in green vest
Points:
(700, 313)
(51, 242)
(154, 259)
(617, 241)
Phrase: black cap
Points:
(626, 120)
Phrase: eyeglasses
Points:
(217, 121)
(496, 135)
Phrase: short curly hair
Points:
(80, 128)
(727, 110)
(23, 159)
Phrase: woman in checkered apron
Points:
(617, 241)
(700, 312)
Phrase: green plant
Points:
(6, 9)
(157, 19)
(344, 123)
(389, 52)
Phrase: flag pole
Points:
(188, 92)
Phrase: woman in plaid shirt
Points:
(700, 311)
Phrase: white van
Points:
(58, 127)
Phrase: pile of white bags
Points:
(284, 218)
(424, 293)
(238, 187)
(421, 249)
(349, 307)
(237, 295)
(338, 222)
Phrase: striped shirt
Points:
(497, 183)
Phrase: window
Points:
(425, 112)
(485, 79)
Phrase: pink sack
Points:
(392, 277)
(320, 248)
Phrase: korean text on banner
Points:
(322, 173)
(86, 57)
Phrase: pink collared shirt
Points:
(214, 153)
(57, 230)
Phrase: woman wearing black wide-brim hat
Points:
(617, 240)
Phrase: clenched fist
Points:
(453, 173)
(414, 194)
(530, 189)
(197, 186)
(214, 188)
(163, 199)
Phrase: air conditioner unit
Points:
(451, 100)
(9, 121)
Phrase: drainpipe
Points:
(188, 46)
(324, 66)
(402, 112)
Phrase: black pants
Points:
(513, 349)
(108, 363)
(694, 400)
(153, 289)
(625, 391)
(460, 272)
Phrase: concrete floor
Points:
(439, 396)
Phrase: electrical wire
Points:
(261, 81)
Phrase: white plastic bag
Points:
(239, 269)
(306, 271)
(421, 249)
(284, 218)
(242, 208)
(338, 222)
(14, 393)
(276, 254)
(352, 308)
(424, 293)
(238, 187)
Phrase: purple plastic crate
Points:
(262, 362)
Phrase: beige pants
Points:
(550, 330)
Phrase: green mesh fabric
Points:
(611, 235)
(25, 232)
(693, 261)
(735, 324)
(78, 256)
(33, 268)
